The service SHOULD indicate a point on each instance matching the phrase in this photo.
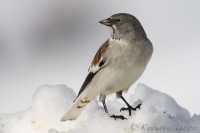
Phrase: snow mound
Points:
(159, 113)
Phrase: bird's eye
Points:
(118, 20)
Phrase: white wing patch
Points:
(95, 68)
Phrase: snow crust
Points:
(159, 113)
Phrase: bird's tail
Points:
(76, 108)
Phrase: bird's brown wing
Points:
(97, 64)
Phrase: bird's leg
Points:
(105, 107)
(102, 99)
(112, 116)
(129, 108)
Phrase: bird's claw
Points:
(129, 108)
(118, 117)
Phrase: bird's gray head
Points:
(125, 25)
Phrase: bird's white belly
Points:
(122, 79)
(115, 79)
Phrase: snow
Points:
(159, 113)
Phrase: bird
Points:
(117, 65)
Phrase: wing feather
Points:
(98, 62)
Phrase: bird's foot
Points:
(118, 117)
(129, 108)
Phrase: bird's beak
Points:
(106, 22)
